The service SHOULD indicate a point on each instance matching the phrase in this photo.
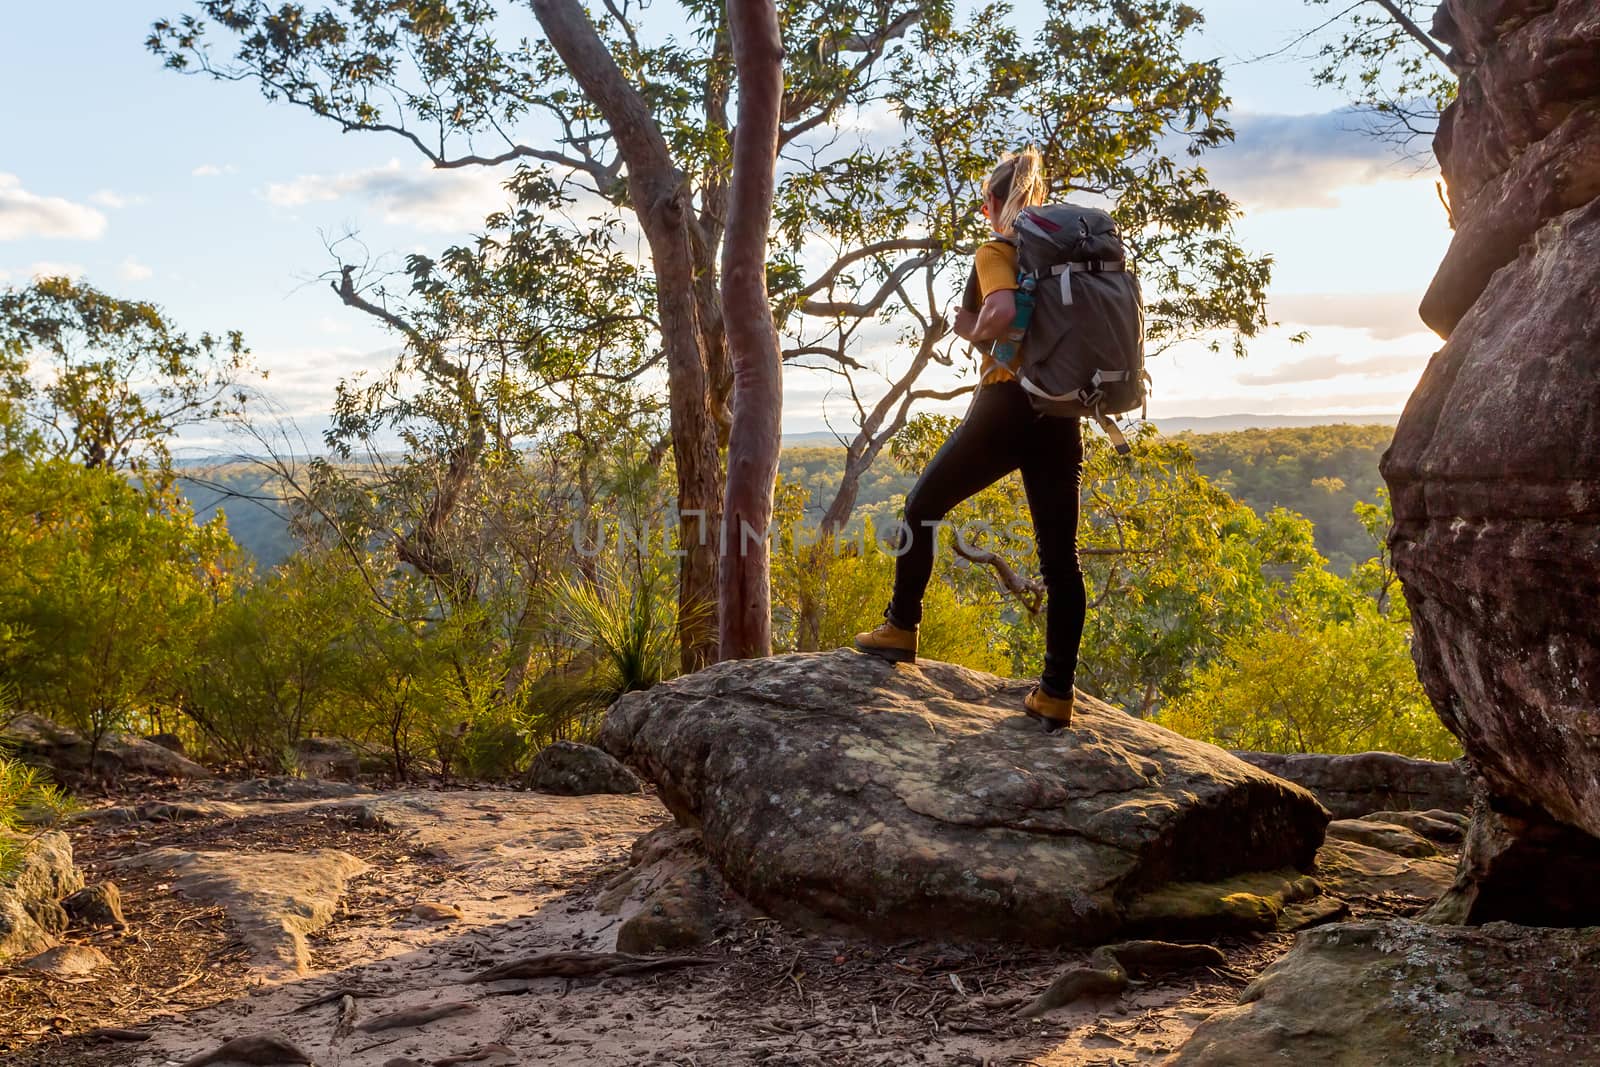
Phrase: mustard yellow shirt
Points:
(996, 266)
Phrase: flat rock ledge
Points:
(839, 792)
(1404, 992)
(1361, 783)
(273, 899)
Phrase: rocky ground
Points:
(258, 909)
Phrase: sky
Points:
(220, 206)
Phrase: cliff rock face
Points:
(1495, 466)
(837, 791)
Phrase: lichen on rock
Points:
(1404, 992)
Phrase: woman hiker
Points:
(1001, 433)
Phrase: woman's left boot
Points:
(1054, 712)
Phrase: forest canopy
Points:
(515, 521)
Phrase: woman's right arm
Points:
(999, 310)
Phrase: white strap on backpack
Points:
(1066, 270)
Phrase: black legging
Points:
(1000, 434)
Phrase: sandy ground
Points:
(526, 872)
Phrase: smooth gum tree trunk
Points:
(744, 587)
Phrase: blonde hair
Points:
(1018, 182)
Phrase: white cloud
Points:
(1293, 161)
(131, 270)
(213, 170)
(1327, 368)
(1385, 316)
(421, 197)
(24, 214)
(110, 198)
(50, 269)
(300, 381)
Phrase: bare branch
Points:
(871, 47)
(835, 354)
(891, 285)
(899, 244)
(1030, 591)
(1420, 35)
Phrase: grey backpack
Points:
(1083, 353)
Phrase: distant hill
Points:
(1230, 423)
(1317, 468)
(1320, 471)
(1176, 424)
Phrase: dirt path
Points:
(525, 872)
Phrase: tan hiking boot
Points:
(889, 642)
(1054, 712)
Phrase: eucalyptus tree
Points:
(891, 113)
(643, 123)
(513, 396)
(745, 600)
(107, 382)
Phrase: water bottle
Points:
(1005, 347)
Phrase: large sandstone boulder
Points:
(1495, 466)
(1360, 783)
(839, 791)
(1405, 993)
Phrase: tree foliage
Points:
(106, 588)
(1330, 671)
(1320, 472)
(28, 802)
(1381, 56)
(1308, 685)
(891, 116)
(108, 382)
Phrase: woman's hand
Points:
(966, 321)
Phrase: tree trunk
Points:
(659, 194)
(887, 418)
(745, 600)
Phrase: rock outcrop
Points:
(98, 905)
(671, 898)
(1403, 992)
(1360, 783)
(274, 899)
(66, 754)
(838, 791)
(31, 916)
(569, 769)
(327, 757)
(1524, 868)
(1495, 466)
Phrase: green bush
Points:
(1315, 686)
